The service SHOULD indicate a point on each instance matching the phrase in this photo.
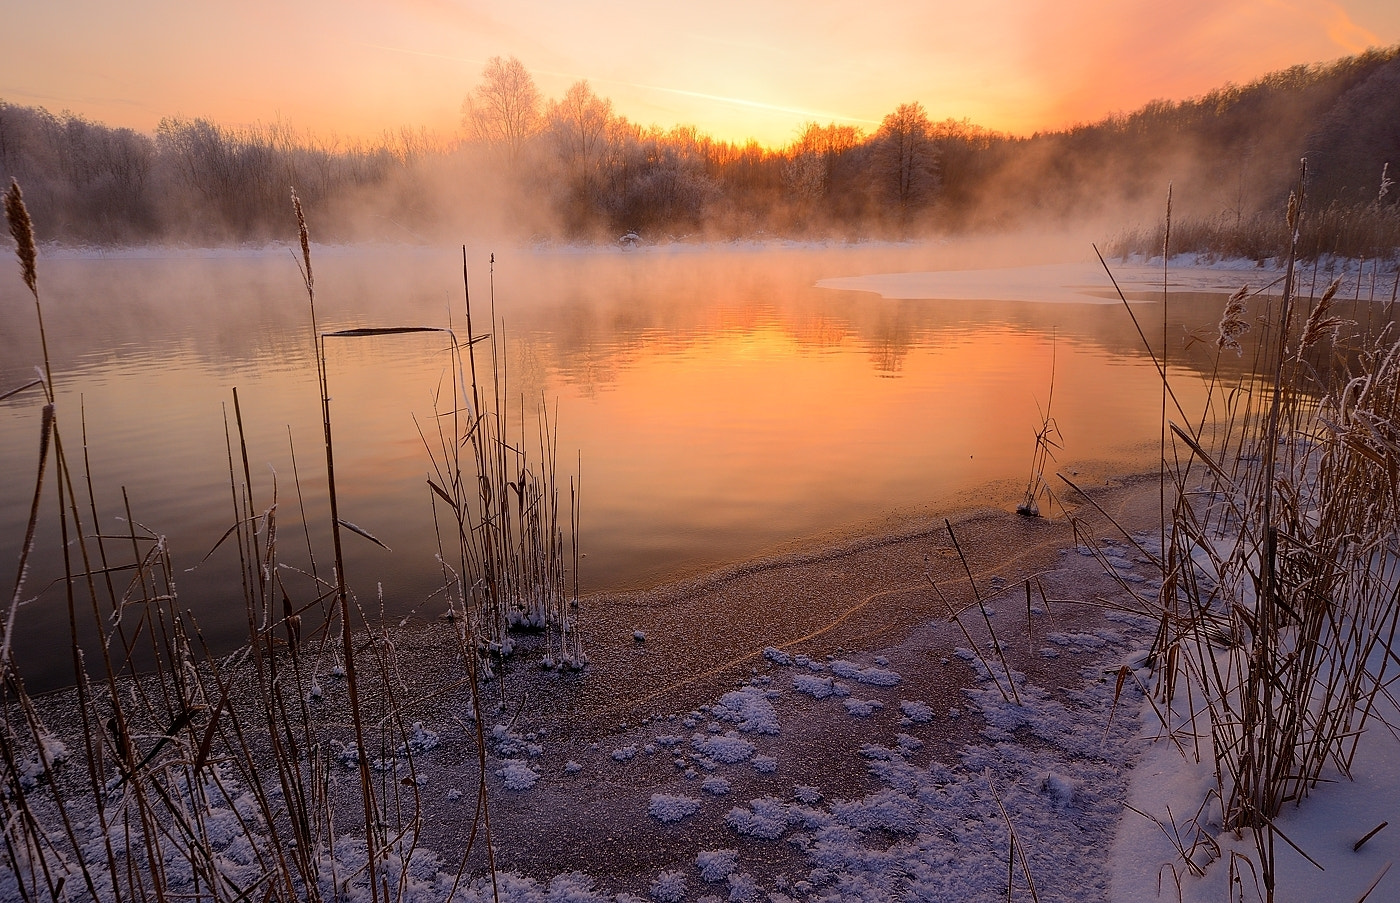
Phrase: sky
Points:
(736, 69)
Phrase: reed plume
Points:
(1232, 322)
(22, 228)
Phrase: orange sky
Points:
(734, 68)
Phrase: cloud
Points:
(1345, 33)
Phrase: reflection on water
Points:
(719, 402)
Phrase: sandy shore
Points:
(807, 727)
(867, 602)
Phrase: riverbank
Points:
(809, 727)
(815, 726)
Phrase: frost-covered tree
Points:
(577, 126)
(503, 111)
(905, 165)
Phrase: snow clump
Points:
(716, 785)
(749, 709)
(420, 740)
(517, 774)
(915, 711)
(669, 887)
(729, 748)
(716, 865)
(819, 687)
(667, 808)
(861, 708)
(876, 676)
(766, 818)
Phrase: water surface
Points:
(715, 404)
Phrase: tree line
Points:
(571, 167)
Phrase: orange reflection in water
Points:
(751, 435)
(720, 404)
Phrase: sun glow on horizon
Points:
(756, 70)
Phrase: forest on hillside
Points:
(570, 168)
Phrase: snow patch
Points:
(668, 808)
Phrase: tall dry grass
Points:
(291, 768)
(1281, 573)
(1367, 235)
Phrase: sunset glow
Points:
(736, 70)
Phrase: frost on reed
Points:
(291, 768)
(1281, 573)
(505, 557)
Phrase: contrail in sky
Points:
(732, 101)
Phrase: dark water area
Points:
(714, 404)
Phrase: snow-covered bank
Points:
(1085, 281)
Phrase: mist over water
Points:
(719, 404)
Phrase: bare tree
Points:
(577, 125)
(906, 158)
(504, 110)
(814, 156)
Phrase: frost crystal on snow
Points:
(517, 775)
(624, 753)
(766, 818)
(765, 764)
(716, 865)
(876, 676)
(667, 808)
(729, 748)
(777, 656)
(819, 687)
(669, 887)
(917, 712)
(860, 708)
(572, 767)
(805, 793)
(749, 709)
(716, 785)
(1059, 788)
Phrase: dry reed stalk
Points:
(1047, 439)
(1278, 608)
